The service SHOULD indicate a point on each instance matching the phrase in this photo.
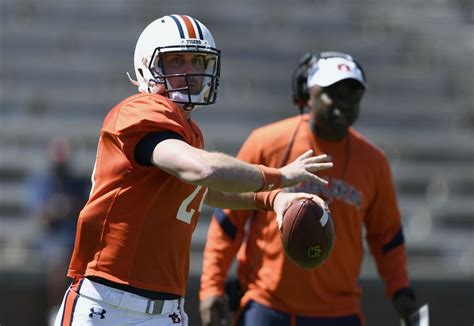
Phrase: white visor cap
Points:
(328, 71)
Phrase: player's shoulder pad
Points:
(153, 102)
(147, 111)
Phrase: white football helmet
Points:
(177, 34)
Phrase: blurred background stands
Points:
(62, 67)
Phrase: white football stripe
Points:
(324, 219)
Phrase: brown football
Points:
(307, 233)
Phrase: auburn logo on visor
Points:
(343, 67)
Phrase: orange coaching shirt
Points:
(360, 192)
(136, 227)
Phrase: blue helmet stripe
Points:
(180, 28)
(199, 28)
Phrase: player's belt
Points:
(126, 300)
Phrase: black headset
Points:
(300, 74)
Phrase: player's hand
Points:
(405, 304)
(283, 200)
(215, 311)
(303, 169)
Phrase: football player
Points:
(151, 176)
(360, 193)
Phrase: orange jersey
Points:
(360, 193)
(136, 227)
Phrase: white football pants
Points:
(90, 303)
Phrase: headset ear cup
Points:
(301, 103)
(299, 80)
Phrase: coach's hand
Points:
(404, 302)
(303, 169)
(215, 311)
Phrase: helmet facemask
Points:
(193, 86)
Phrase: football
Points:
(307, 233)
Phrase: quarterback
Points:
(151, 177)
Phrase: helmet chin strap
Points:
(154, 87)
(188, 107)
(142, 88)
(187, 101)
(134, 82)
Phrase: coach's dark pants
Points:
(254, 314)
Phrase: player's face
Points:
(335, 108)
(185, 63)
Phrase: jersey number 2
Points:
(185, 214)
